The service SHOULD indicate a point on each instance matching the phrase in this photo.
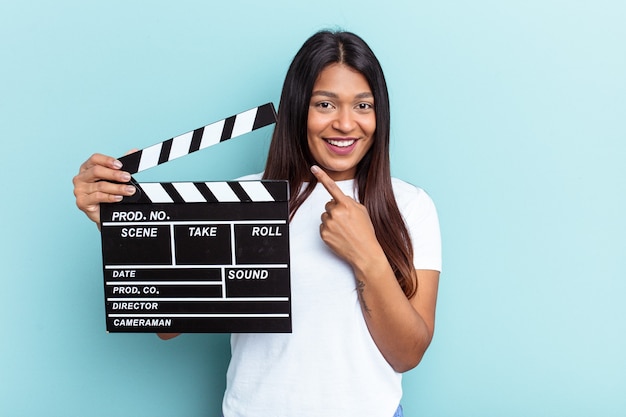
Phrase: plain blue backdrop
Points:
(510, 114)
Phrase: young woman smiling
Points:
(365, 247)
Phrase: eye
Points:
(364, 107)
(324, 105)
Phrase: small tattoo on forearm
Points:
(360, 287)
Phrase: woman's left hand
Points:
(346, 225)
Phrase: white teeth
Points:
(341, 143)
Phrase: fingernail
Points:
(315, 169)
(118, 197)
(125, 176)
(130, 189)
(117, 164)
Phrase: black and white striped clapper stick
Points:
(209, 192)
(201, 138)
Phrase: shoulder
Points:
(410, 197)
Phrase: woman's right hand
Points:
(95, 183)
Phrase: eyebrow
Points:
(330, 94)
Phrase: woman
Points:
(365, 248)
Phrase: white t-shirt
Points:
(329, 365)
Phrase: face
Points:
(341, 121)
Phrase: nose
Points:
(344, 122)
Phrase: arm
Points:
(401, 328)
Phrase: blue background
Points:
(510, 114)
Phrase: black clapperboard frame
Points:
(198, 257)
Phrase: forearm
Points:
(400, 331)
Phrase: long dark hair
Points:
(289, 156)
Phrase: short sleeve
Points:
(420, 216)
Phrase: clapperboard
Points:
(198, 256)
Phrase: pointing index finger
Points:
(328, 183)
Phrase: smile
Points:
(341, 146)
(341, 143)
